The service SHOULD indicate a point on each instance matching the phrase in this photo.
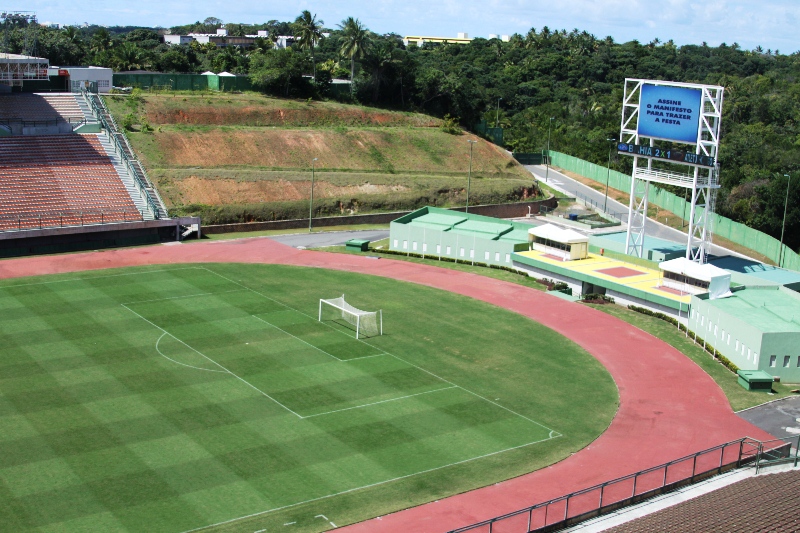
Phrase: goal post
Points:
(367, 323)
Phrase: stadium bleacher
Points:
(65, 179)
(40, 107)
(59, 180)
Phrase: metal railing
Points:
(123, 149)
(581, 505)
(778, 451)
(65, 219)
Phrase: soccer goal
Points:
(367, 323)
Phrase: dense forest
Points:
(569, 83)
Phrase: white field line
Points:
(368, 486)
(382, 401)
(184, 296)
(396, 357)
(214, 362)
(102, 277)
(182, 364)
(311, 345)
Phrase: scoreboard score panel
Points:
(676, 156)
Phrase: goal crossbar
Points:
(367, 323)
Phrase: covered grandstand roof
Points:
(554, 233)
(685, 267)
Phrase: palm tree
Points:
(354, 44)
(308, 31)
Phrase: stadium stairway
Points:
(107, 121)
(125, 176)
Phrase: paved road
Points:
(329, 238)
(781, 418)
(653, 229)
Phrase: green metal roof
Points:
(768, 309)
(439, 219)
(482, 227)
(516, 235)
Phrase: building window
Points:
(729, 339)
(786, 361)
(102, 83)
(448, 251)
(508, 258)
(461, 252)
(497, 256)
(395, 243)
(486, 255)
(424, 246)
(755, 359)
(715, 331)
(414, 246)
(737, 345)
(772, 360)
(749, 353)
(405, 245)
(472, 254)
(680, 278)
(702, 321)
(439, 249)
(798, 361)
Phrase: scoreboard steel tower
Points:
(672, 132)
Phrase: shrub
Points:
(450, 125)
(727, 363)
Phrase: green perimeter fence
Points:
(183, 82)
(722, 226)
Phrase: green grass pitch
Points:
(167, 399)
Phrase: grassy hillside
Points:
(233, 158)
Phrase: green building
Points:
(757, 328)
(435, 232)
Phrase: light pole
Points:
(497, 113)
(547, 161)
(608, 172)
(311, 201)
(783, 226)
(469, 175)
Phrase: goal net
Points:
(367, 323)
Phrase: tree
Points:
(280, 72)
(355, 43)
(308, 31)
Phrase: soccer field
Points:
(175, 398)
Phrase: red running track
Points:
(669, 407)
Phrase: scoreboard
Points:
(676, 156)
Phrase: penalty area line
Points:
(289, 506)
(380, 402)
(212, 361)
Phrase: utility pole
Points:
(469, 174)
(311, 201)
(547, 172)
(783, 226)
(608, 172)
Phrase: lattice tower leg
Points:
(699, 231)
(637, 217)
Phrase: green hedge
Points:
(727, 363)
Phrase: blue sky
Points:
(770, 23)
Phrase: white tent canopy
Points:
(208, 73)
(554, 233)
(228, 74)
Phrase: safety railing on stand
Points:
(588, 503)
(65, 219)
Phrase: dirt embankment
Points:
(402, 149)
(253, 115)
(229, 191)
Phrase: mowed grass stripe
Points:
(100, 432)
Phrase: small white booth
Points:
(684, 275)
(567, 244)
